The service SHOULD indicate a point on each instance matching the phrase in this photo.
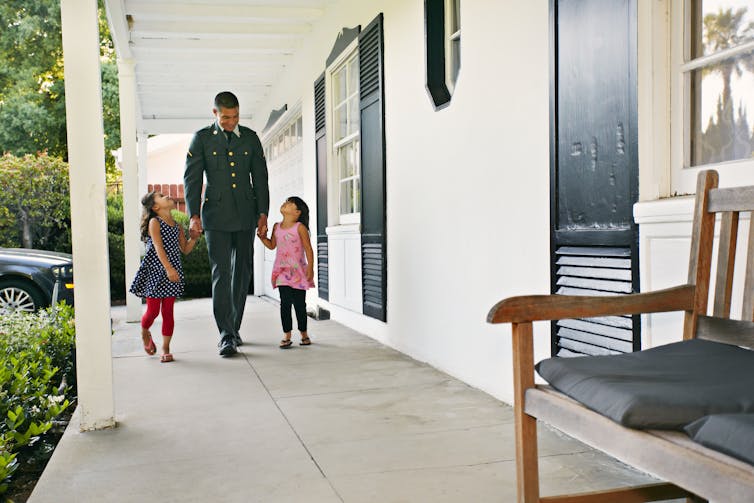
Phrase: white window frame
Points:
(683, 177)
(335, 216)
(452, 73)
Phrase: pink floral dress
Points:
(290, 261)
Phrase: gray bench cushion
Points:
(665, 387)
(732, 434)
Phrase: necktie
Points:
(228, 135)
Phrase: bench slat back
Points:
(722, 326)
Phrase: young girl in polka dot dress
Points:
(160, 276)
(293, 271)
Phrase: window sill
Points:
(343, 230)
(672, 209)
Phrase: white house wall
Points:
(167, 162)
(467, 186)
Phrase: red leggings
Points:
(153, 309)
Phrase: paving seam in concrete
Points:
(290, 425)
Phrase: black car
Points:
(31, 279)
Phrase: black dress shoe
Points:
(228, 346)
(237, 340)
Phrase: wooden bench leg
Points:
(527, 463)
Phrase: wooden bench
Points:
(689, 469)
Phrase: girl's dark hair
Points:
(303, 208)
(147, 214)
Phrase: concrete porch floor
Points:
(343, 420)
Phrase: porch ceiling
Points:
(187, 51)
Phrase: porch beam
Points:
(220, 12)
(286, 45)
(86, 147)
(205, 29)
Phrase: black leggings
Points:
(296, 297)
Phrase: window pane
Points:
(455, 15)
(356, 195)
(346, 198)
(340, 90)
(356, 157)
(299, 131)
(341, 125)
(353, 75)
(346, 161)
(722, 106)
(353, 115)
(455, 59)
(720, 24)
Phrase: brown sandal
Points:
(286, 343)
(305, 341)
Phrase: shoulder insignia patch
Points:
(189, 153)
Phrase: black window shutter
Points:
(434, 38)
(372, 108)
(321, 153)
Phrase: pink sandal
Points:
(167, 357)
(150, 347)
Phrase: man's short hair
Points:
(226, 99)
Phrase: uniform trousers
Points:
(230, 256)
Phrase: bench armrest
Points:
(556, 307)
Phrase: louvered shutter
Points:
(320, 139)
(593, 270)
(372, 109)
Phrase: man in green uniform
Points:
(236, 200)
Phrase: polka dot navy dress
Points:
(151, 279)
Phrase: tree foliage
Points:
(35, 203)
(32, 93)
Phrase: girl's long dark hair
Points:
(303, 208)
(147, 214)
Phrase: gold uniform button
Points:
(245, 153)
(234, 185)
(214, 153)
(214, 132)
(233, 175)
(232, 163)
(230, 154)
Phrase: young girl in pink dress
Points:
(293, 272)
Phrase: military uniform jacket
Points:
(236, 173)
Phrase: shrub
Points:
(37, 381)
(196, 266)
(116, 248)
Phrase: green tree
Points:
(32, 93)
(35, 201)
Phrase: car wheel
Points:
(19, 295)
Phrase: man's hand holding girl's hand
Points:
(195, 227)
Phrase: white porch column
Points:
(143, 157)
(86, 148)
(131, 196)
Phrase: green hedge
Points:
(195, 265)
(196, 268)
(37, 382)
